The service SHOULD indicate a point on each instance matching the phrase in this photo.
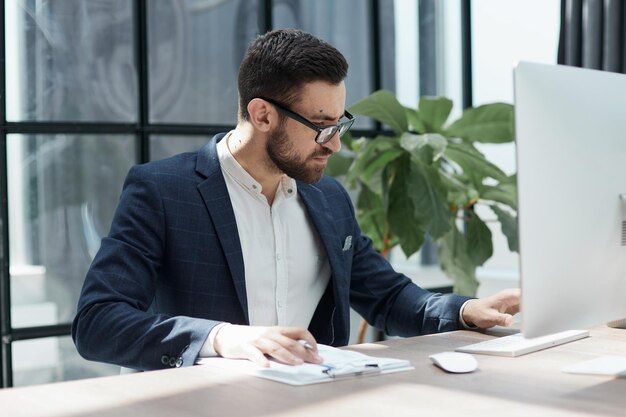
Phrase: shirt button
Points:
(278, 256)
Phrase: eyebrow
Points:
(326, 117)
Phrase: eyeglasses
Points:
(324, 133)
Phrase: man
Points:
(244, 249)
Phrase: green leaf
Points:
(509, 227)
(474, 164)
(401, 211)
(505, 193)
(412, 142)
(371, 216)
(417, 187)
(356, 145)
(428, 196)
(457, 264)
(384, 107)
(434, 111)
(511, 179)
(339, 163)
(459, 194)
(490, 123)
(377, 164)
(346, 141)
(478, 236)
(415, 123)
(372, 157)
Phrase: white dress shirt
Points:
(286, 266)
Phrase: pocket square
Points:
(347, 244)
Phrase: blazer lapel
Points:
(317, 207)
(217, 200)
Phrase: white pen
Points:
(305, 344)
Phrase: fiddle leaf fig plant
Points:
(428, 177)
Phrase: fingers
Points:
(298, 333)
(494, 318)
(505, 320)
(491, 311)
(293, 352)
(491, 317)
(253, 354)
(257, 343)
(510, 299)
(277, 351)
(511, 294)
(286, 350)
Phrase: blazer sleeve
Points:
(113, 322)
(390, 301)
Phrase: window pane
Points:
(498, 28)
(63, 190)
(70, 60)
(388, 51)
(53, 359)
(195, 48)
(163, 146)
(345, 24)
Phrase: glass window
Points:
(70, 60)
(195, 48)
(163, 146)
(388, 36)
(64, 189)
(57, 360)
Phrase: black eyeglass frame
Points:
(341, 127)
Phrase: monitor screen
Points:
(570, 126)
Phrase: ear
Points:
(263, 115)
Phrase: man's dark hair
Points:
(279, 63)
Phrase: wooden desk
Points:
(531, 385)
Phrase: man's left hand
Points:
(495, 310)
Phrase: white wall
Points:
(507, 31)
(407, 53)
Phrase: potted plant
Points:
(427, 177)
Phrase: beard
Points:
(286, 159)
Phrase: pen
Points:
(366, 369)
(305, 344)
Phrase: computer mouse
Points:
(455, 362)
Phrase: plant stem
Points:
(386, 242)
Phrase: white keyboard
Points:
(517, 345)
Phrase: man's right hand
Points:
(254, 342)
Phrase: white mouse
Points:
(455, 362)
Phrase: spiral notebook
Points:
(338, 364)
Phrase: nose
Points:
(334, 144)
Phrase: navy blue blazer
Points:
(171, 269)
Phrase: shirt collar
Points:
(230, 165)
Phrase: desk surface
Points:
(530, 385)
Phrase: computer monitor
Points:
(570, 126)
